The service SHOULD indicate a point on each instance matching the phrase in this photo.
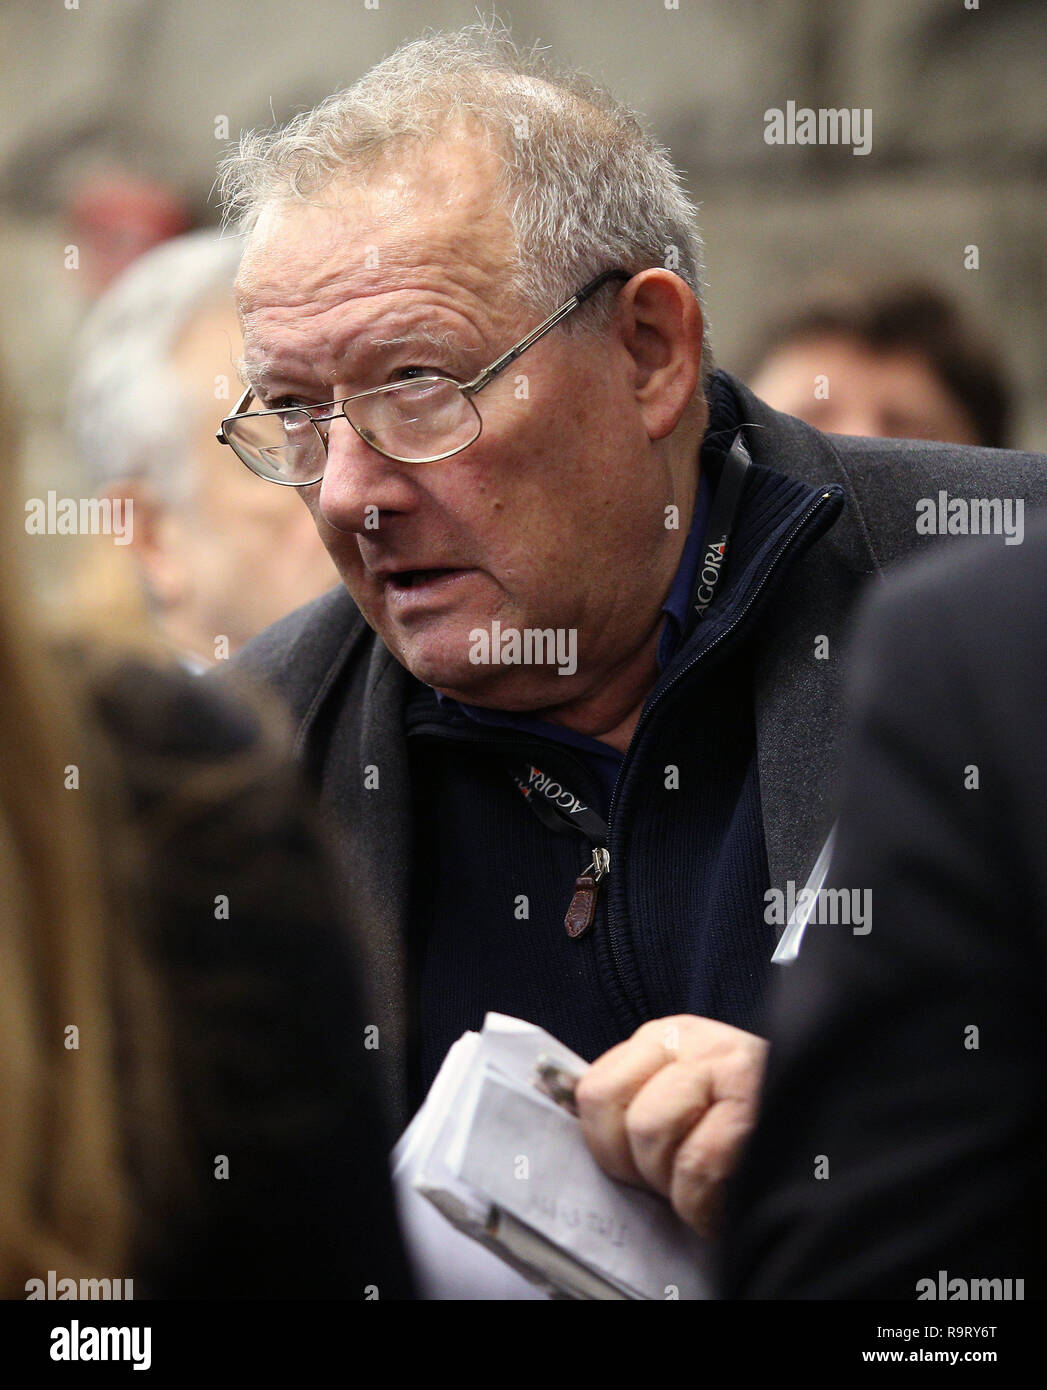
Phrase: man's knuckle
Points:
(593, 1092)
(645, 1130)
(693, 1163)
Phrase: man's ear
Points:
(151, 541)
(661, 329)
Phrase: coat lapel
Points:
(799, 694)
(365, 786)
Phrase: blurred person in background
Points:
(115, 216)
(219, 554)
(902, 1138)
(186, 1099)
(894, 361)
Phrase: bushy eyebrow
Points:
(424, 336)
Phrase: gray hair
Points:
(128, 416)
(585, 185)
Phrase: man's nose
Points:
(359, 482)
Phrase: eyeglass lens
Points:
(413, 421)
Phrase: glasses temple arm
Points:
(238, 409)
(479, 382)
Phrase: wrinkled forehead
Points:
(414, 217)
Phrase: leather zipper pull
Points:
(582, 910)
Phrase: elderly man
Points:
(470, 296)
(219, 556)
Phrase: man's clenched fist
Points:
(670, 1109)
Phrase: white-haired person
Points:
(219, 556)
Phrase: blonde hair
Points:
(66, 963)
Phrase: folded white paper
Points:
(508, 1168)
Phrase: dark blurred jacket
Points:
(936, 1148)
(262, 1008)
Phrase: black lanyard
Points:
(721, 525)
(555, 805)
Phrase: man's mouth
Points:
(411, 579)
(424, 590)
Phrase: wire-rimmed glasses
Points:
(420, 420)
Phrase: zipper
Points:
(802, 522)
(581, 911)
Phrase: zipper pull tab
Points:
(582, 910)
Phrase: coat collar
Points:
(799, 672)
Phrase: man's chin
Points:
(440, 669)
(439, 659)
(450, 679)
